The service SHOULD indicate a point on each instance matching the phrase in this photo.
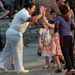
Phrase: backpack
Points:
(71, 4)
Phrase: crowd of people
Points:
(56, 20)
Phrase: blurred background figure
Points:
(3, 12)
(49, 4)
(21, 3)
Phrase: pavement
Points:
(33, 62)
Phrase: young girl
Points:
(55, 45)
(45, 42)
(56, 49)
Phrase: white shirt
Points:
(17, 26)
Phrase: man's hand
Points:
(42, 9)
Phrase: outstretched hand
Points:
(42, 9)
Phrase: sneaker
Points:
(12, 66)
(24, 71)
(58, 71)
(3, 70)
(45, 67)
(71, 72)
(1, 65)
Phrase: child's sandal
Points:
(45, 67)
(12, 66)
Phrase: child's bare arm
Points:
(47, 23)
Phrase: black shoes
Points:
(58, 71)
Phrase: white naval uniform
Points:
(14, 41)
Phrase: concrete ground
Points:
(33, 62)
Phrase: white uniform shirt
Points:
(19, 24)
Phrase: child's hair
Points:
(13, 13)
(52, 11)
(15, 8)
(64, 8)
(41, 26)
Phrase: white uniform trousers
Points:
(14, 44)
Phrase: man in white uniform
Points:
(14, 41)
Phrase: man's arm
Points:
(35, 18)
(6, 12)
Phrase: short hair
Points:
(28, 5)
(52, 11)
(64, 8)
